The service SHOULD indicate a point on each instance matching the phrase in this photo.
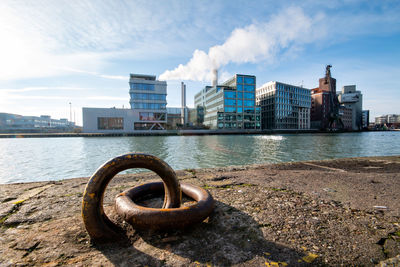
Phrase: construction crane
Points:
(334, 115)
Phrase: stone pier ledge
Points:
(334, 212)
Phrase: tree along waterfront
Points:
(42, 159)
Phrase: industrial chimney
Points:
(183, 104)
(214, 77)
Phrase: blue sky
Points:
(53, 53)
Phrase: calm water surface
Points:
(41, 159)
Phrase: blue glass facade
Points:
(240, 109)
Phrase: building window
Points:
(230, 109)
(249, 80)
(248, 103)
(230, 102)
(151, 116)
(249, 88)
(249, 95)
(239, 79)
(144, 96)
(142, 86)
(230, 94)
(105, 123)
(148, 106)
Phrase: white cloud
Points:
(254, 43)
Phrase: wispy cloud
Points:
(105, 76)
(43, 88)
(113, 98)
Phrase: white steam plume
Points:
(254, 43)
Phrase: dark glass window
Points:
(107, 123)
(249, 110)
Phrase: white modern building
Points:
(284, 106)
(14, 122)
(351, 98)
(148, 109)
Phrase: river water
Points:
(43, 159)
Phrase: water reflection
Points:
(38, 159)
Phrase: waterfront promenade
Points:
(334, 212)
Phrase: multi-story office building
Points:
(149, 98)
(231, 105)
(148, 109)
(352, 99)
(284, 106)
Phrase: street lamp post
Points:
(70, 112)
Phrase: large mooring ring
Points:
(100, 228)
(161, 219)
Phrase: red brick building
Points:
(323, 99)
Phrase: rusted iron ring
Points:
(99, 226)
(158, 219)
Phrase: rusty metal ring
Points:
(99, 226)
(157, 219)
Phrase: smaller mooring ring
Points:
(162, 219)
(100, 228)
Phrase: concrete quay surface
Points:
(327, 213)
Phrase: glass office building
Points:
(231, 105)
(148, 96)
(284, 106)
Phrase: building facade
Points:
(14, 123)
(148, 109)
(324, 102)
(148, 96)
(284, 106)
(365, 119)
(346, 114)
(231, 105)
(352, 99)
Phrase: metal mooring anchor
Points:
(101, 229)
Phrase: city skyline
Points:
(82, 52)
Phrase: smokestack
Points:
(215, 77)
(183, 103)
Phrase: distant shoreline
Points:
(164, 133)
